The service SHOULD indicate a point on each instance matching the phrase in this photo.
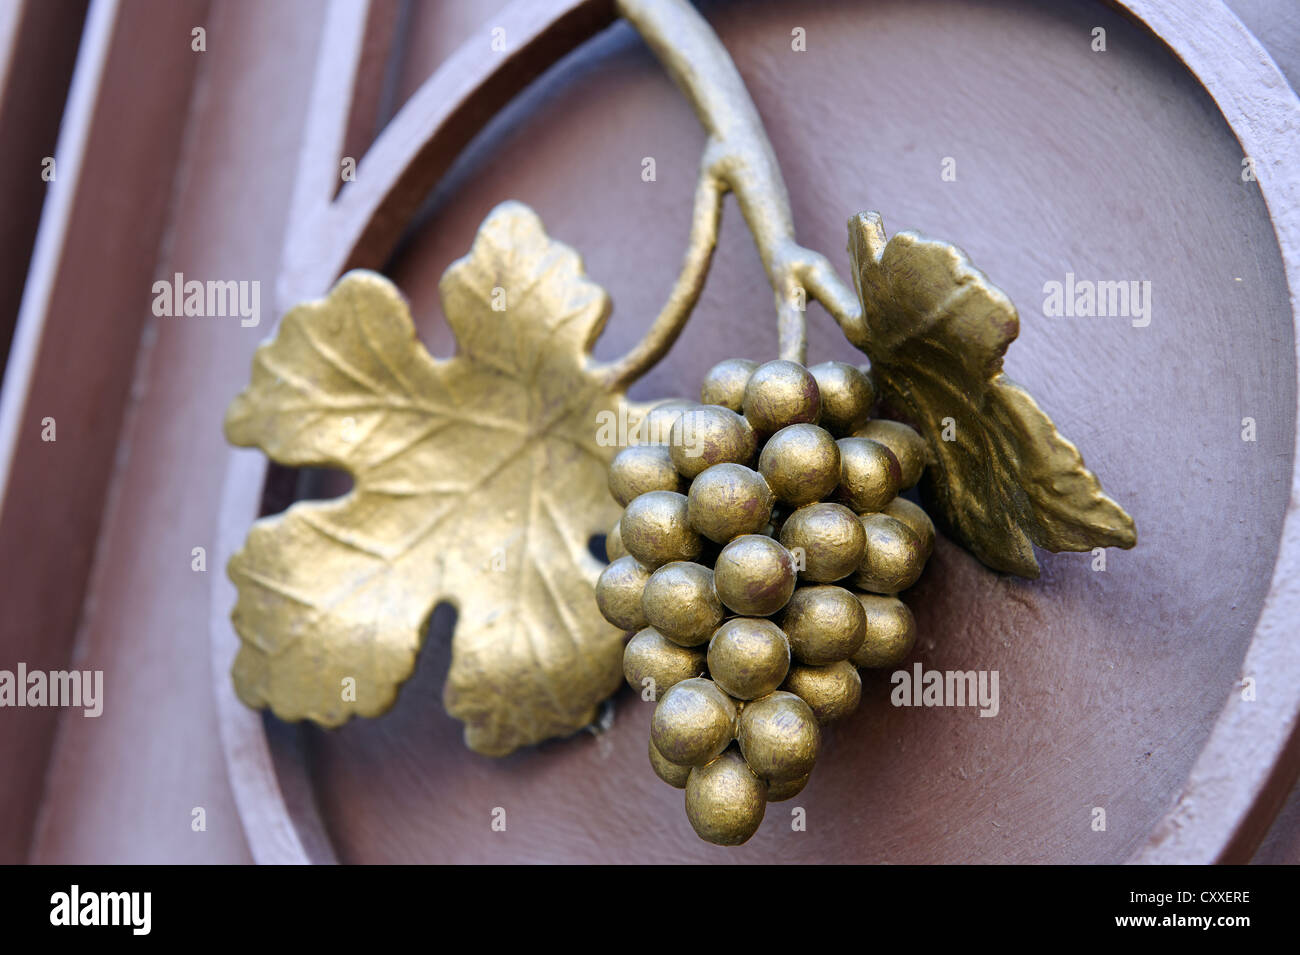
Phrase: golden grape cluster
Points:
(758, 559)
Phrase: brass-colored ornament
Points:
(824, 624)
(640, 469)
(778, 736)
(905, 443)
(725, 383)
(681, 603)
(728, 500)
(725, 801)
(614, 548)
(673, 774)
(618, 593)
(693, 722)
(895, 555)
(869, 474)
(781, 393)
(656, 427)
(653, 662)
(477, 479)
(754, 575)
(891, 632)
(786, 788)
(480, 479)
(832, 691)
(829, 536)
(936, 329)
(748, 657)
(707, 435)
(801, 464)
(914, 516)
(655, 529)
(846, 396)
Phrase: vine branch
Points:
(737, 158)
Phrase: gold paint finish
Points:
(640, 469)
(832, 692)
(786, 789)
(618, 593)
(656, 427)
(824, 624)
(914, 516)
(748, 657)
(693, 722)
(649, 655)
(679, 600)
(725, 801)
(725, 383)
(936, 329)
(831, 538)
(906, 444)
(781, 393)
(846, 396)
(778, 736)
(754, 575)
(476, 479)
(614, 548)
(869, 474)
(727, 501)
(891, 632)
(801, 463)
(656, 531)
(707, 435)
(895, 555)
(671, 773)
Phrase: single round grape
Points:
(895, 555)
(655, 529)
(830, 538)
(801, 463)
(869, 474)
(728, 500)
(831, 692)
(680, 602)
(725, 383)
(639, 469)
(725, 801)
(914, 516)
(618, 593)
(693, 722)
(707, 435)
(778, 737)
(781, 393)
(671, 773)
(846, 393)
(824, 624)
(748, 657)
(786, 789)
(754, 575)
(614, 548)
(891, 632)
(653, 662)
(908, 446)
(656, 427)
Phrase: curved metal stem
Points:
(737, 158)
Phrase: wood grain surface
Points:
(1114, 165)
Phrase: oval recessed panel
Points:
(999, 127)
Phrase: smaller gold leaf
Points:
(936, 330)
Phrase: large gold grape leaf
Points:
(936, 329)
(477, 480)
